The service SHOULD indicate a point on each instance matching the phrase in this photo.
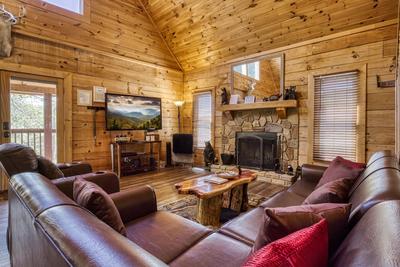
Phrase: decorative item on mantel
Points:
(290, 93)
(224, 97)
(250, 99)
(234, 100)
(272, 98)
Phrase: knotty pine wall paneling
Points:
(375, 47)
(119, 49)
(208, 32)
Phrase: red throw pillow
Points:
(305, 248)
(341, 168)
(96, 200)
(280, 222)
(332, 192)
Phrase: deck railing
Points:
(35, 138)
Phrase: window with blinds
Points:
(202, 119)
(335, 116)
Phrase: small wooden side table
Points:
(211, 196)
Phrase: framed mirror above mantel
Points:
(259, 83)
(260, 77)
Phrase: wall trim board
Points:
(300, 44)
(94, 50)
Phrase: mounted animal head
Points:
(7, 19)
(5, 38)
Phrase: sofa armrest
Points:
(312, 173)
(75, 168)
(108, 181)
(135, 203)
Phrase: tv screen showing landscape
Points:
(125, 112)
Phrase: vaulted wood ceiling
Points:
(205, 32)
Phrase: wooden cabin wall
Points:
(207, 32)
(123, 51)
(119, 27)
(375, 47)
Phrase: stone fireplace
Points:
(257, 150)
(262, 137)
(264, 124)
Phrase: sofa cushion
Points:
(96, 200)
(216, 250)
(283, 199)
(307, 247)
(165, 235)
(374, 241)
(280, 222)
(245, 227)
(341, 168)
(49, 169)
(302, 188)
(331, 192)
(17, 158)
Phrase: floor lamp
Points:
(179, 104)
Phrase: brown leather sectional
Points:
(49, 229)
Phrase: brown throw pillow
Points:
(341, 168)
(280, 222)
(94, 199)
(49, 169)
(332, 192)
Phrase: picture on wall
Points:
(126, 112)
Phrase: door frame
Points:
(64, 101)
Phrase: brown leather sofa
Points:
(49, 229)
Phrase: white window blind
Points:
(202, 119)
(335, 116)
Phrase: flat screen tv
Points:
(127, 112)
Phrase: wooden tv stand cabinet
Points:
(129, 158)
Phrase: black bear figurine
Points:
(224, 97)
(209, 154)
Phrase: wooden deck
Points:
(163, 183)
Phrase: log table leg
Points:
(209, 211)
(245, 198)
(226, 200)
(237, 198)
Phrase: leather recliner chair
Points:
(17, 158)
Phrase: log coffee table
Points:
(212, 197)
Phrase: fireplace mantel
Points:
(280, 106)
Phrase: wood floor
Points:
(163, 183)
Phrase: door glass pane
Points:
(33, 106)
